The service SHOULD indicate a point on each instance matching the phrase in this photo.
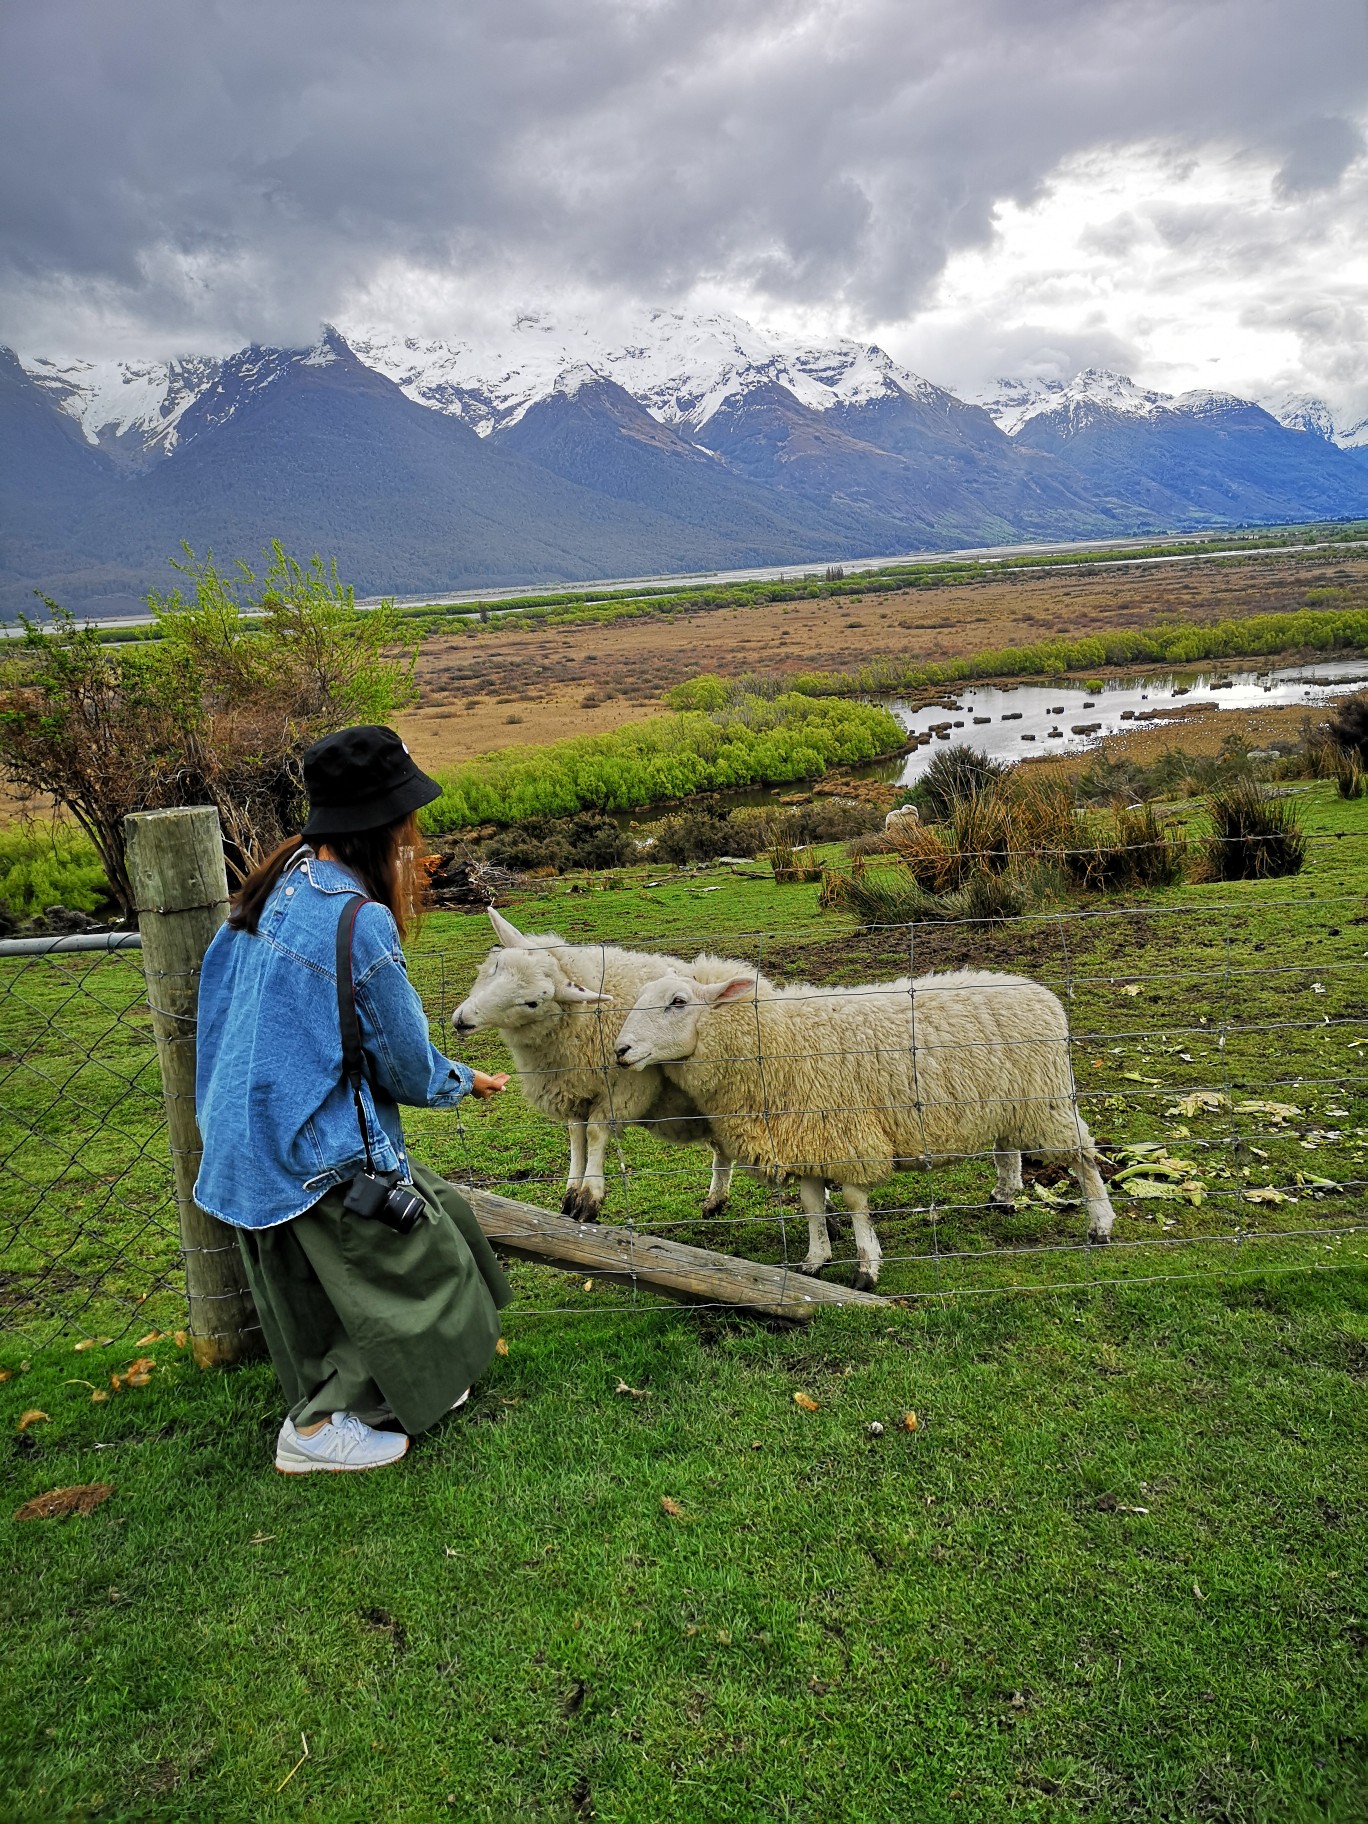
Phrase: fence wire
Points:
(1217, 1051)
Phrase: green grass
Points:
(969, 1621)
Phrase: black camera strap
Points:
(353, 1063)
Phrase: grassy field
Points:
(502, 684)
(1115, 1573)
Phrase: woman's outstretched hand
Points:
(488, 1086)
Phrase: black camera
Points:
(385, 1197)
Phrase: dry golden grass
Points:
(584, 680)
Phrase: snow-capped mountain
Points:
(557, 448)
(682, 368)
(1304, 412)
(1091, 394)
(1072, 405)
(129, 409)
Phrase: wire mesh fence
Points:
(89, 1241)
(1216, 1050)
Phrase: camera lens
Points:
(404, 1208)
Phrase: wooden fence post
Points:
(180, 891)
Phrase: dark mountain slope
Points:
(1223, 460)
(326, 455)
(51, 483)
(599, 437)
(969, 474)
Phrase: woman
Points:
(365, 1323)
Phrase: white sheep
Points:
(900, 818)
(847, 1084)
(548, 1000)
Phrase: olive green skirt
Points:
(359, 1319)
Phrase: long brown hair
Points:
(387, 862)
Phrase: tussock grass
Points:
(1256, 835)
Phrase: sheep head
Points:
(663, 1026)
(518, 988)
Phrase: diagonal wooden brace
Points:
(634, 1256)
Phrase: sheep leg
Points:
(812, 1193)
(570, 1202)
(1101, 1215)
(868, 1253)
(593, 1185)
(719, 1187)
(1008, 1184)
(1083, 1165)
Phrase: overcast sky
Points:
(985, 186)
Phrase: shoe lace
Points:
(350, 1427)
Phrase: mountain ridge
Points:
(573, 453)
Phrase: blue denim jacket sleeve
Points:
(394, 1029)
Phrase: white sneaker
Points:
(343, 1443)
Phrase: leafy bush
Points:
(1256, 835)
(217, 710)
(700, 836)
(44, 865)
(704, 833)
(753, 742)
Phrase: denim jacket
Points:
(275, 1113)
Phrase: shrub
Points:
(1256, 835)
(1347, 772)
(51, 864)
(698, 836)
(590, 841)
(955, 773)
(754, 741)
(218, 709)
(1348, 727)
(1174, 773)
(886, 896)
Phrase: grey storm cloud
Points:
(238, 168)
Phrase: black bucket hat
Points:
(360, 779)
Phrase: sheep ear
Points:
(582, 997)
(508, 935)
(740, 987)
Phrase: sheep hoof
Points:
(715, 1206)
(588, 1211)
(570, 1203)
(811, 1267)
(863, 1282)
(1099, 1237)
